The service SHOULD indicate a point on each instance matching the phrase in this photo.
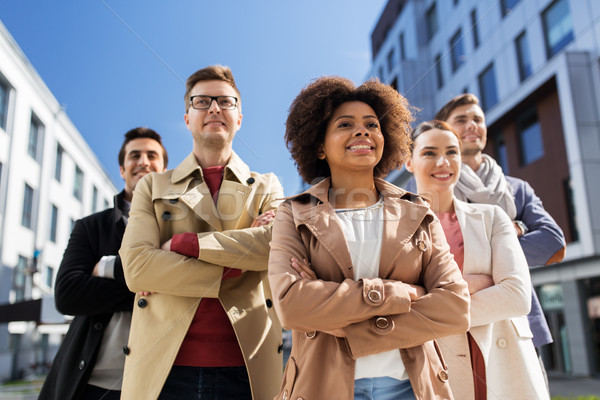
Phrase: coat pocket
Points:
(521, 325)
(289, 378)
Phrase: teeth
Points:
(360, 147)
(441, 175)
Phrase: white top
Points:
(363, 230)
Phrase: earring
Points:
(321, 156)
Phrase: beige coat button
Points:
(502, 343)
(422, 245)
(443, 376)
(374, 296)
(311, 335)
(382, 322)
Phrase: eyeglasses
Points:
(202, 102)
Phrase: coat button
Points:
(173, 201)
(422, 245)
(81, 364)
(269, 303)
(126, 350)
(443, 376)
(142, 303)
(280, 348)
(250, 181)
(285, 395)
(374, 296)
(98, 326)
(311, 334)
(166, 216)
(382, 322)
(502, 343)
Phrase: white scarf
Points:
(488, 185)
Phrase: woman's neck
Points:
(440, 201)
(353, 191)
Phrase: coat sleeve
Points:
(148, 268)
(77, 292)
(443, 311)
(544, 242)
(510, 296)
(313, 305)
(248, 248)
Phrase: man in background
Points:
(90, 285)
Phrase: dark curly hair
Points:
(314, 107)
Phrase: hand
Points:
(415, 291)
(478, 282)
(336, 332)
(95, 270)
(166, 246)
(263, 219)
(303, 269)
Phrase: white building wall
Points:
(30, 95)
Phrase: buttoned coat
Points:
(179, 201)
(92, 300)
(377, 314)
(498, 314)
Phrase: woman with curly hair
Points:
(360, 269)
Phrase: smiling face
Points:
(142, 156)
(213, 128)
(353, 140)
(435, 161)
(469, 122)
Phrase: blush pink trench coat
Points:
(376, 315)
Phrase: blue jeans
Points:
(204, 383)
(383, 388)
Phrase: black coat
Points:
(92, 300)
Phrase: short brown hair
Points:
(429, 125)
(314, 107)
(211, 73)
(140, 133)
(460, 100)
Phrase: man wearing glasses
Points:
(195, 252)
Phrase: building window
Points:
(49, 276)
(438, 71)
(106, 205)
(35, 134)
(59, 159)
(455, 2)
(381, 74)
(27, 207)
(475, 28)
(487, 88)
(4, 92)
(94, 199)
(502, 155)
(432, 22)
(457, 51)
(78, 183)
(72, 224)
(53, 223)
(558, 27)
(568, 190)
(19, 278)
(508, 6)
(530, 138)
(390, 61)
(402, 48)
(523, 58)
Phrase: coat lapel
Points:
(475, 239)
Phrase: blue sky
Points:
(116, 65)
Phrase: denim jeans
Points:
(204, 383)
(383, 388)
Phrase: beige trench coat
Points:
(376, 314)
(498, 314)
(179, 201)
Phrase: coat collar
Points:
(235, 169)
(474, 232)
(403, 214)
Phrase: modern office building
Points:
(49, 177)
(535, 65)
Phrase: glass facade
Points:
(558, 27)
(487, 88)
(457, 51)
